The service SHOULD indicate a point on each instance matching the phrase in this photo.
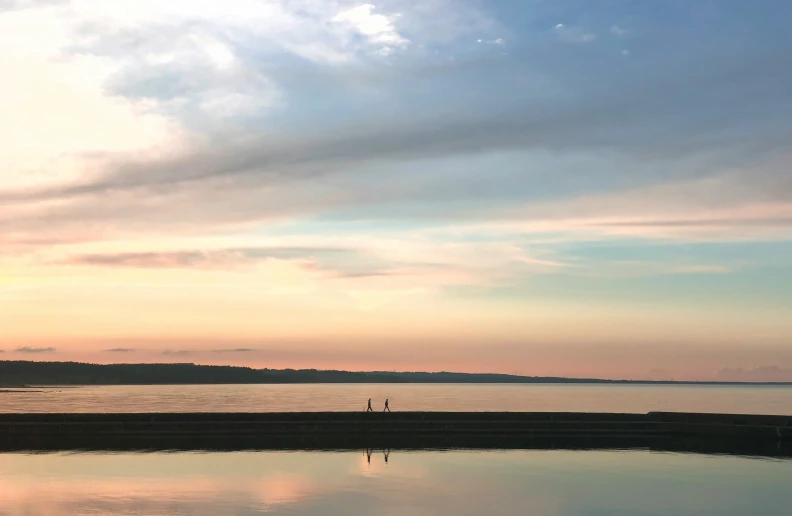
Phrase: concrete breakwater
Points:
(345, 430)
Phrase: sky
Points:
(567, 187)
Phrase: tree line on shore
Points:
(25, 373)
(18, 373)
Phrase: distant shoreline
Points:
(638, 383)
(29, 374)
(570, 381)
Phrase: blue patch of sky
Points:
(743, 255)
(765, 289)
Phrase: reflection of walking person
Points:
(369, 409)
(387, 408)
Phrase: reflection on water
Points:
(385, 453)
(391, 483)
(431, 397)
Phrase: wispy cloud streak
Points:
(33, 350)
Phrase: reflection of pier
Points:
(700, 433)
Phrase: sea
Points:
(387, 482)
(393, 483)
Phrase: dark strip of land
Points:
(20, 373)
(710, 433)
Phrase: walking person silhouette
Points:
(387, 408)
(369, 409)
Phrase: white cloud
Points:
(235, 104)
(222, 56)
(617, 31)
(378, 28)
(85, 78)
(156, 44)
(574, 35)
(625, 52)
(158, 58)
(55, 113)
(498, 41)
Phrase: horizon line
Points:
(537, 379)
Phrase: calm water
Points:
(469, 397)
(536, 483)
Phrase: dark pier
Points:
(701, 433)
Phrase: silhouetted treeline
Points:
(19, 373)
(15, 373)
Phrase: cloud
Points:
(226, 258)
(498, 41)
(237, 350)
(268, 161)
(404, 157)
(596, 121)
(11, 5)
(703, 269)
(27, 349)
(751, 202)
(310, 262)
(566, 123)
(55, 112)
(757, 374)
(617, 31)
(300, 28)
(377, 28)
(372, 274)
(574, 35)
(202, 63)
(178, 352)
(120, 350)
(375, 265)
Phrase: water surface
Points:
(406, 397)
(537, 483)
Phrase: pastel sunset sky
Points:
(543, 187)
